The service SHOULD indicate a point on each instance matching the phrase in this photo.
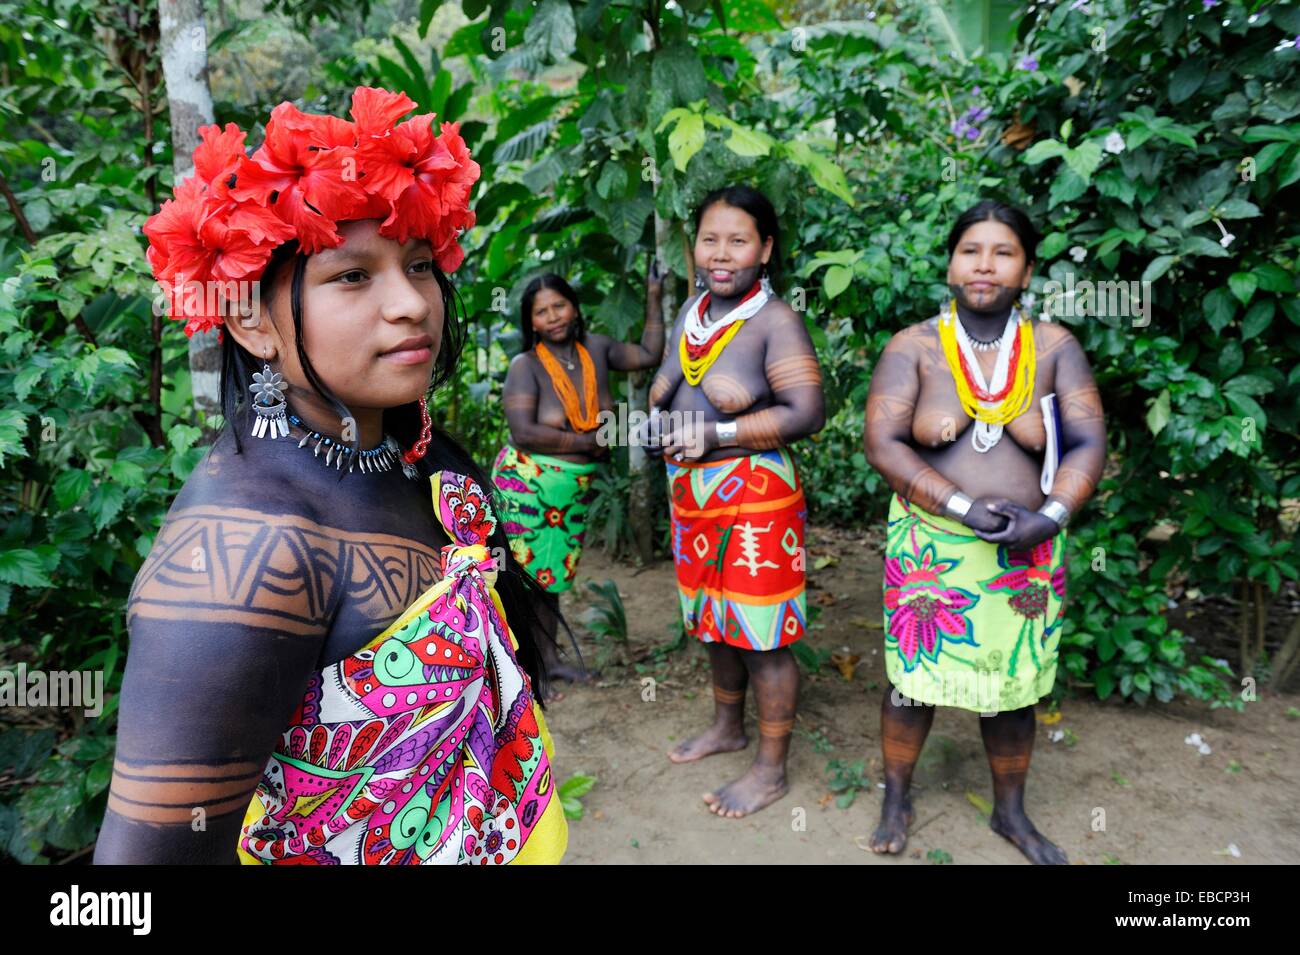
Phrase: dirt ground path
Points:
(1119, 784)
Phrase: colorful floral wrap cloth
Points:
(544, 503)
(968, 623)
(426, 745)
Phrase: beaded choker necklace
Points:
(383, 457)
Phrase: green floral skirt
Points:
(968, 623)
(543, 503)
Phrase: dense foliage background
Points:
(1151, 141)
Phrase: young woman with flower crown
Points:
(333, 656)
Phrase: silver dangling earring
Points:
(268, 390)
(699, 282)
(765, 282)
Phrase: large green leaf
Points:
(1187, 79)
(24, 568)
(551, 33)
(678, 71)
(1043, 150)
(1084, 159)
(824, 172)
(626, 219)
(686, 139)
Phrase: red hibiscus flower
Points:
(195, 240)
(306, 171)
(427, 179)
(375, 110)
(312, 172)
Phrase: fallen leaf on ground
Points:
(1050, 719)
(846, 662)
(980, 803)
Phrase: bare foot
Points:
(569, 674)
(718, 738)
(891, 835)
(1020, 832)
(753, 791)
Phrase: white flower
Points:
(1233, 850)
(1078, 253)
(1227, 239)
(1056, 736)
(1193, 740)
(1204, 749)
(1114, 142)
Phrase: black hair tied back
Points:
(1010, 216)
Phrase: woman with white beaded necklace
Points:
(739, 383)
(967, 416)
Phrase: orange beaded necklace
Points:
(582, 419)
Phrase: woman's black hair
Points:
(519, 593)
(556, 284)
(760, 210)
(1010, 216)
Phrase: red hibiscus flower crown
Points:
(216, 236)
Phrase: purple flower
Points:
(1028, 63)
(1209, 4)
(972, 134)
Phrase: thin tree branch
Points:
(17, 211)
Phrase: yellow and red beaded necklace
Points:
(1008, 394)
(701, 345)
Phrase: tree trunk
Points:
(640, 510)
(189, 104)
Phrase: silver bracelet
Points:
(957, 506)
(1057, 511)
(726, 432)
